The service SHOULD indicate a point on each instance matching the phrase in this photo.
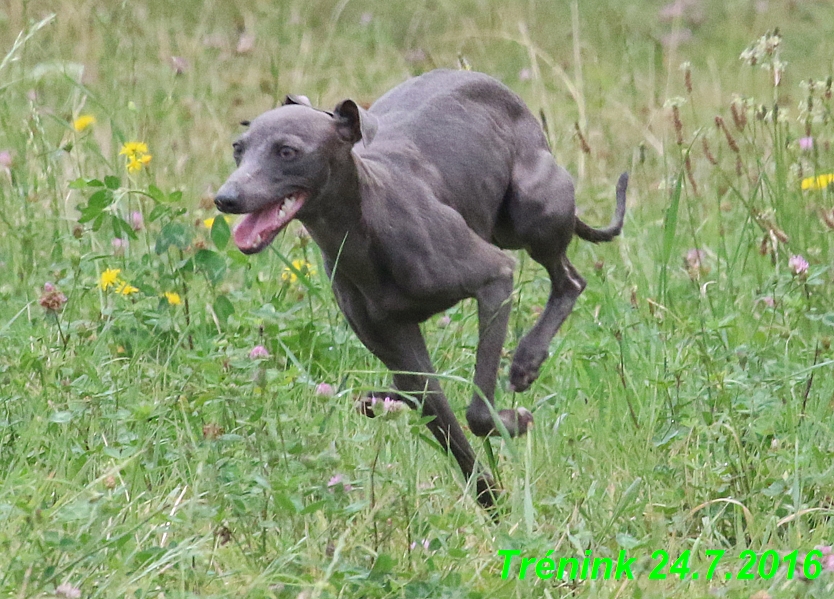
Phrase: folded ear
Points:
(293, 99)
(354, 123)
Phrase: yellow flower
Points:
(132, 148)
(83, 122)
(301, 266)
(125, 288)
(173, 298)
(208, 223)
(137, 155)
(109, 278)
(133, 165)
(819, 182)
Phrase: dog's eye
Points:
(237, 148)
(287, 153)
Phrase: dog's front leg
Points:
(494, 303)
(401, 347)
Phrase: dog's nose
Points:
(227, 198)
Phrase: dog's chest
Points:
(391, 290)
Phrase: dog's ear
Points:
(354, 123)
(300, 100)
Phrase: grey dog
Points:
(411, 203)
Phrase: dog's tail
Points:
(588, 233)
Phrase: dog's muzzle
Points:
(227, 199)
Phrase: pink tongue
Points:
(258, 228)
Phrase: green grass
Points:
(686, 405)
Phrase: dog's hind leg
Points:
(542, 218)
(547, 244)
(566, 286)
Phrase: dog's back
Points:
(466, 129)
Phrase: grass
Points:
(687, 403)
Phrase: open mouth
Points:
(258, 229)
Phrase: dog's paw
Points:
(525, 420)
(380, 404)
(487, 492)
(522, 375)
(525, 369)
(517, 421)
(365, 406)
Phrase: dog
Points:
(412, 203)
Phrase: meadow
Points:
(177, 419)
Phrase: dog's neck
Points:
(337, 228)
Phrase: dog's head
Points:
(285, 161)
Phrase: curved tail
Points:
(588, 233)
